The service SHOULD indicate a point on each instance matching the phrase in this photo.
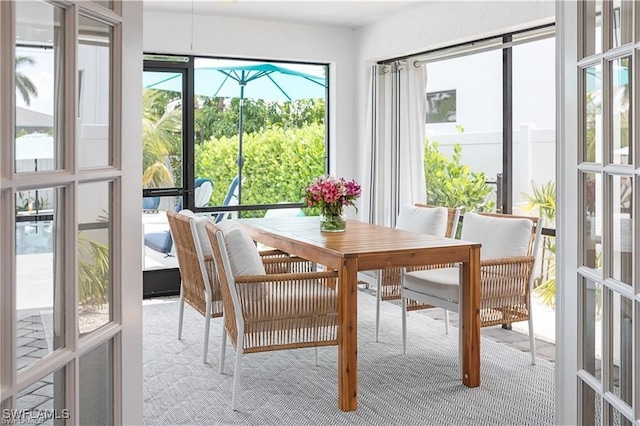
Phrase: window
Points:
(441, 107)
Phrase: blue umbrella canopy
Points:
(252, 81)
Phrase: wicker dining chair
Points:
(199, 286)
(424, 218)
(268, 312)
(507, 257)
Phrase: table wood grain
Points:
(365, 247)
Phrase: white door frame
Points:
(567, 212)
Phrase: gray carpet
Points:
(286, 388)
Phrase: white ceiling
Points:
(349, 14)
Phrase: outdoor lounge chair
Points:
(161, 240)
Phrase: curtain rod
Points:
(471, 43)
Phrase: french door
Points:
(69, 242)
(600, 231)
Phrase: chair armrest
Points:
(287, 295)
(273, 253)
(276, 278)
(505, 278)
(279, 262)
(507, 265)
(427, 267)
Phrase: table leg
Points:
(471, 319)
(348, 335)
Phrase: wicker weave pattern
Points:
(281, 310)
(504, 290)
(193, 284)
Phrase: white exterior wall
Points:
(266, 40)
(533, 154)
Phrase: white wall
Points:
(257, 39)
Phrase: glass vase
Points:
(333, 222)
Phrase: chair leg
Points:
(378, 299)
(317, 359)
(236, 378)
(532, 341)
(223, 347)
(446, 322)
(207, 321)
(404, 325)
(180, 314)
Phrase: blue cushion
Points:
(159, 241)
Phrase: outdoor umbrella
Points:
(251, 80)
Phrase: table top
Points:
(360, 239)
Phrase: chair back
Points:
(203, 188)
(453, 218)
(231, 302)
(195, 285)
(503, 235)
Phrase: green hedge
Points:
(278, 164)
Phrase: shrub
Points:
(452, 184)
(278, 164)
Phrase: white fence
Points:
(534, 155)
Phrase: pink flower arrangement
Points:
(331, 194)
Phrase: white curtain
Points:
(394, 171)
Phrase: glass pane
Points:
(162, 130)
(593, 114)
(94, 255)
(616, 418)
(591, 408)
(533, 120)
(105, 3)
(622, 348)
(39, 87)
(40, 276)
(591, 339)
(592, 27)
(43, 402)
(593, 212)
(470, 141)
(622, 28)
(622, 230)
(96, 386)
(159, 252)
(94, 82)
(621, 119)
(275, 136)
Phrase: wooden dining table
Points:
(365, 247)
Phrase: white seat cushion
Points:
(500, 237)
(442, 283)
(200, 221)
(425, 220)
